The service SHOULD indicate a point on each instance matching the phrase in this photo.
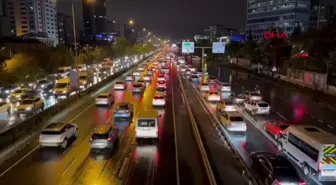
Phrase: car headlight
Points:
(18, 103)
(64, 91)
(6, 91)
(29, 108)
(15, 109)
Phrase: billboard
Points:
(218, 47)
(188, 47)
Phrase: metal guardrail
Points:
(217, 124)
(206, 162)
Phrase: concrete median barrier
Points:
(18, 137)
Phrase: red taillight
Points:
(302, 182)
(319, 167)
(109, 139)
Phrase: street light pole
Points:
(74, 27)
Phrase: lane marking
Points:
(320, 121)
(17, 162)
(175, 136)
(68, 166)
(283, 117)
(330, 126)
(80, 113)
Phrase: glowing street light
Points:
(133, 30)
(149, 33)
(131, 22)
(114, 21)
(143, 29)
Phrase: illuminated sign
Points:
(275, 35)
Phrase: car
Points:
(159, 100)
(150, 73)
(194, 78)
(105, 99)
(141, 81)
(120, 85)
(161, 77)
(124, 109)
(204, 87)
(147, 78)
(233, 121)
(187, 72)
(104, 137)
(257, 107)
(225, 87)
(161, 91)
(141, 69)
(164, 70)
(58, 134)
(270, 168)
(137, 88)
(191, 68)
(129, 78)
(8, 89)
(29, 105)
(212, 96)
(18, 94)
(212, 80)
(136, 73)
(45, 86)
(226, 106)
(239, 98)
(182, 69)
(161, 83)
(253, 95)
(276, 127)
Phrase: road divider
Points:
(218, 127)
(204, 156)
(15, 139)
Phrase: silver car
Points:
(104, 137)
(58, 134)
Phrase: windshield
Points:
(146, 123)
(61, 85)
(158, 97)
(47, 132)
(236, 118)
(194, 76)
(121, 119)
(161, 82)
(102, 96)
(123, 107)
(229, 102)
(137, 85)
(262, 104)
(42, 81)
(120, 83)
(82, 77)
(27, 102)
(213, 93)
(18, 91)
(204, 84)
(283, 127)
(100, 136)
(161, 89)
(255, 94)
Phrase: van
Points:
(147, 124)
(64, 71)
(312, 148)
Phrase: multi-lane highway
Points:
(130, 163)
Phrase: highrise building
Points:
(324, 15)
(217, 31)
(284, 16)
(4, 20)
(33, 17)
(65, 29)
(94, 18)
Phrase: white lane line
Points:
(182, 99)
(66, 169)
(30, 152)
(320, 121)
(330, 126)
(283, 117)
(17, 162)
(312, 116)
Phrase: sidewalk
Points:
(314, 94)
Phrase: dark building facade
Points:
(324, 15)
(94, 20)
(65, 29)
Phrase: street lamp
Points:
(149, 33)
(131, 22)
(143, 29)
(114, 22)
(133, 30)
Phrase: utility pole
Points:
(74, 27)
(202, 60)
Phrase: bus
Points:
(312, 148)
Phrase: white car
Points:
(212, 96)
(162, 83)
(141, 69)
(119, 86)
(159, 100)
(104, 99)
(187, 72)
(257, 107)
(225, 87)
(138, 88)
(182, 69)
(212, 80)
(204, 87)
(253, 95)
(239, 98)
(136, 73)
(194, 78)
(233, 122)
(161, 77)
(192, 68)
(129, 78)
(147, 78)
(58, 134)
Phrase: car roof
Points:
(234, 114)
(102, 129)
(55, 126)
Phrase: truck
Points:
(85, 79)
(65, 86)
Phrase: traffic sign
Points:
(188, 47)
(218, 47)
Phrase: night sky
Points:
(173, 19)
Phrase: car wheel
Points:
(65, 143)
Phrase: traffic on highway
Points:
(165, 121)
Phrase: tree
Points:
(120, 48)
(90, 55)
(233, 48)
